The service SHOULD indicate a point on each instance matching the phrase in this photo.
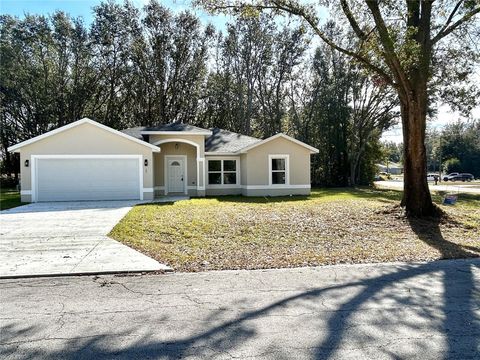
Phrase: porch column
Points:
(200, 176)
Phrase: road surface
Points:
(390, 311)
(450, 187)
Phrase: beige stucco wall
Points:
(255, 165)
(197, 139)
(85, 139)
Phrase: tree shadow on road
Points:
(459, 324)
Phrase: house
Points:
(86, 160)
(390, 168)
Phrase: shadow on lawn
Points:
(318, 194)
(460, 323)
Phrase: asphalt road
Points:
(451, 187)
(396, 311)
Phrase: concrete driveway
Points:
(42, 239)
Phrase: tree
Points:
(461, 140)
(372, 113)
(399, 43)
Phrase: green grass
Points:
(9, 198)
(331, 226)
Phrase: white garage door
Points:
(68, 179)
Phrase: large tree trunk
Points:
(416, 194)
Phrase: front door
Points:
(176, 175)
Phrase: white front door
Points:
(176, 175)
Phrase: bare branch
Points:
(313, 22)
(450, 17)
(351, 20)
(455, 25)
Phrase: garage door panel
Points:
(87, 179)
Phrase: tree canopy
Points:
(407, 45)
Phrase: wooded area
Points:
(420, 48)
(144, 67)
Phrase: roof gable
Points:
(16, 147)
(280, 135)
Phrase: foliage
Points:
(420, 48)
(392, 151)
(452, 165)
(148, 66)
(342, 113)
(461, 140)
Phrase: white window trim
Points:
(287, 169)
(34, 158)
(237, 172)
(165, 172)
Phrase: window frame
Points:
(285, 157)
(222, 172)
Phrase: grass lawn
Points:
(9, 198)
(329, 227)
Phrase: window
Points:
(279, 172)
(222, 172)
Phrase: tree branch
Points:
(390, 56)
(455, 25)
(352, 21)
(290, 8)
(450, 17)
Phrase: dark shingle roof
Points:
(136, 132)
(223, 141)
(175, 127)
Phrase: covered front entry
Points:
(175, 172)
(179, 168)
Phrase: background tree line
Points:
(455, 148)
(147, 66)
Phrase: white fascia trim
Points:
(163, 141)
(298, 142)
(25, 192)
(278, 187)
(147, 190)
(77, 123)
(210, 153)
(208, 133)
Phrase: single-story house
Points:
(86, 160)
(391, 168)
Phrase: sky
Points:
(83, 8)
